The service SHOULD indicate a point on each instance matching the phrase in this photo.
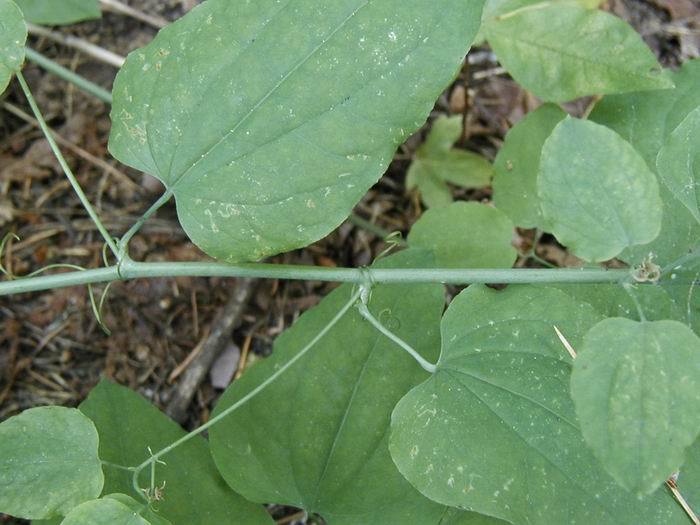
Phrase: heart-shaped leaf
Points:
(597, 194)
(13, 34)
(48, 462)
(562, 51)
(269, 120)
(636, 386)
(494, 429)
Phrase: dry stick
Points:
(123, 9)
(221, 330)
(89, 157)
(97, 52)
(670, 482)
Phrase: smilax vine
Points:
(572, 395)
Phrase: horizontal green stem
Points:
(138, 270)
(68, 75)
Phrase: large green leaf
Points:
(636, 387)
(518, 163)
(678, 163)
(13, 34)
(561, 51)
(597, 194)
(646, 119)
(436, 163)
(328, 452)
(494, 429)
(104, 511)
(194, 492)
(48, 462)
(466, 235)
(54, 12)
(269, 120)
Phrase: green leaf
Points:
(494, 429)
(646, 120)
(678, 163)
(13, 34)
(328, 454)
(51, 12)
(636, 387)
(194, 492)
(466, 235)
(104, 511)
(436, 163)
(611, 300)
(269, 120)
(459, 517)
(561, 51)
(140, 508)
(518, 163)
(48, 462)
(596, 193)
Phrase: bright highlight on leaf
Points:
(636, 387)
(48, 462)
(561, 51)
(678, 163)
(269, 122)
(466, 235)
(104, 511)
(193, 491)
(596, 193)
(436, 163)
(494, 429)
(59, 12)
(13, 34)
(517, 166)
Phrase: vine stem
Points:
(64, 165)
(129, 269)
(424, 363)
(126, 238)
(250, 395)
(67, 75)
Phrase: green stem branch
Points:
(128, 269)
(425, 364)
(64, 165)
